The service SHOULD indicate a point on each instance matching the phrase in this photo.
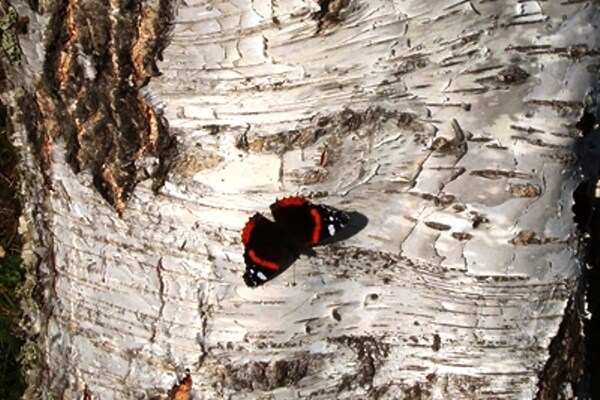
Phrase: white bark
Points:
(449, 124)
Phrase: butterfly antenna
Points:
(294, 281)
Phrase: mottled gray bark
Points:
(449, 124)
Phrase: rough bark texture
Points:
(449, 124)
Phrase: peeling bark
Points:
(451, 126)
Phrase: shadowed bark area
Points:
(451, 127)
(586, 209)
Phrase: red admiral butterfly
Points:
(271, 247)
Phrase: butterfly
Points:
(271, 247)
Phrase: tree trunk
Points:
(450, 125)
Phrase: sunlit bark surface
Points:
(449, 124)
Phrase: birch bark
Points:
(449, 124)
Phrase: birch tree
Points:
(150, 131)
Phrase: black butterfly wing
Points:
(268, 250)
(332, 221)
(308, 223)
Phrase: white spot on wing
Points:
(261, 276)
(331, 229)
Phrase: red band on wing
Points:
(316, 235)
(263, 263)
(292, 201)
(248, 230)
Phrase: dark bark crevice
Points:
(561, 376)
(89, 94)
